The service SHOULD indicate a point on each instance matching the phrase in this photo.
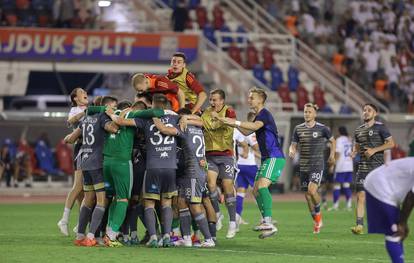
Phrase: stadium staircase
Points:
(313, 67)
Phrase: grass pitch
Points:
(29, 234)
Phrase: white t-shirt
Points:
(250, 140)
(386, 55)
(393, 73)
(309, 23)
(350, 47)
(372, 61)
(390, 183)
(74, 111)
(344, 149)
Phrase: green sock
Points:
(267, 201)
(175, 223)
(259, 202)
(119, 215)
(194, 225)
(111, 211)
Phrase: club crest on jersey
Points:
(164, 155)
(371, 132)
(315, 134)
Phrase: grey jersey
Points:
(371, 137)
(193, 148)
(93, 137)
(312, 142)
(161, 149)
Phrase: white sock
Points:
(66, 214)
(80, 236)
(187, 237)
(112, 235)
(126, 238)
(134, 234)
(232, 224)
(268, 219)
(90, 235)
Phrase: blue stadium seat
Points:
(192, 4)
(40, 5)
(240, 29)
(8, 5)
(276, 76)
(345, 109)
(226, 29)
(258, 73)
(327, 109)
(12, 147)
(208, 32)
(45, 159)
(293, 78)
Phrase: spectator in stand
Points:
(381, 90)
(179, 17)
(308, 28)
(371, 59)
(291, 21)
(63, 13)
(338, 60)
(394, 74)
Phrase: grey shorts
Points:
(359, 181)
(159, 183)
(223, 165)
(314, 176)
(93, 180)
(191, 189)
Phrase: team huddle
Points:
(169, 162)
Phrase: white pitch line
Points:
(295, 255)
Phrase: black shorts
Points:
(159, 183)
(191, 189)
(223, 165)
(359, 181)
(93, 180)
(76, 161)
(313, 176)
(139, 172)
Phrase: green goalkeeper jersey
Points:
(119, 145)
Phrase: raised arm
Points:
(201, 98)
(73, 137)
(164, 129)
(76, 118)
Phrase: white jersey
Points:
(391, 182)
(250, 140)
(74, 111)
(344, 149)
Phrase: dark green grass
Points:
(28, 233)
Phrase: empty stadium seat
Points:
(192, 4)
(302, 97)
(45, 158)
(319, 97)
(226, 29)
(267, 55)
(22, 4)
(218, 18)
(258, 73)
(293, 78)
(208, 32)
(11, 19)
(252, 57)
(202, 19)
(235, 53)
(64, 157)
(276, 75)
(345, 109)
(241, 29)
